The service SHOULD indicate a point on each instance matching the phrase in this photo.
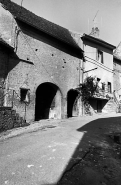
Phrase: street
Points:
(42, 156)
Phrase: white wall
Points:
(104, 71)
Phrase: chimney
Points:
(95, 32)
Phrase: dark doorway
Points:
(45, 100)
(71, 97)
(99, 106)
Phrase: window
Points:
(98, 79)
(24, 95)
(109, 87)
(99, 83)
(103, 86)
(99, 56)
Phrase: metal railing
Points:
(103, 93)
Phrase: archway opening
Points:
(71, 100)
(48, 102)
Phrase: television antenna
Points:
(94, 20)
(21, 2)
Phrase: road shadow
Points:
(94, 131)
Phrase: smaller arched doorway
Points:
(48, 102)
(71, 102)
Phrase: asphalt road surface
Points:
(40, 157)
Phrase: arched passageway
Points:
(71, 102)
(48, 102)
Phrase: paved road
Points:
(40, 157)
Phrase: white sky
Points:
(78, 15)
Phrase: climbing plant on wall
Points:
(87, 90)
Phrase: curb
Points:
(28, 129)
(43, 124)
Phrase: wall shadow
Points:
(9, 60)
(6, 65)
(5, 54)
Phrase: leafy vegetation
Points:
(88, 88)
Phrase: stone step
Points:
(9, 119)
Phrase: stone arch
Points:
(72, 97)
(48, 102)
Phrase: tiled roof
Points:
(39, 23)
(5, 44)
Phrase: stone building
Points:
(117, 67)
(117, 75)
(99, 64)
(42, 72)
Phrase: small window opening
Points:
(99, 56)
(103, 86)
(24, 95)
(109, 87)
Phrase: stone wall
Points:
(117, 74)
(4, 59)
(110, 106)
(40, 58)
(9, 119)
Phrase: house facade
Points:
(117, 76)
(99, 64)
(43, 69)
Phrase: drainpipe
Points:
(25, 113)
(80, 61)
(83, 79)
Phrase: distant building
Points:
(43, 71)
(117, 75)
(117, 67)
(99, 64)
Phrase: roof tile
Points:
(39, 23)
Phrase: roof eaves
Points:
(99, 41)
(117, 57)
(64, 41)
(6, 44)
